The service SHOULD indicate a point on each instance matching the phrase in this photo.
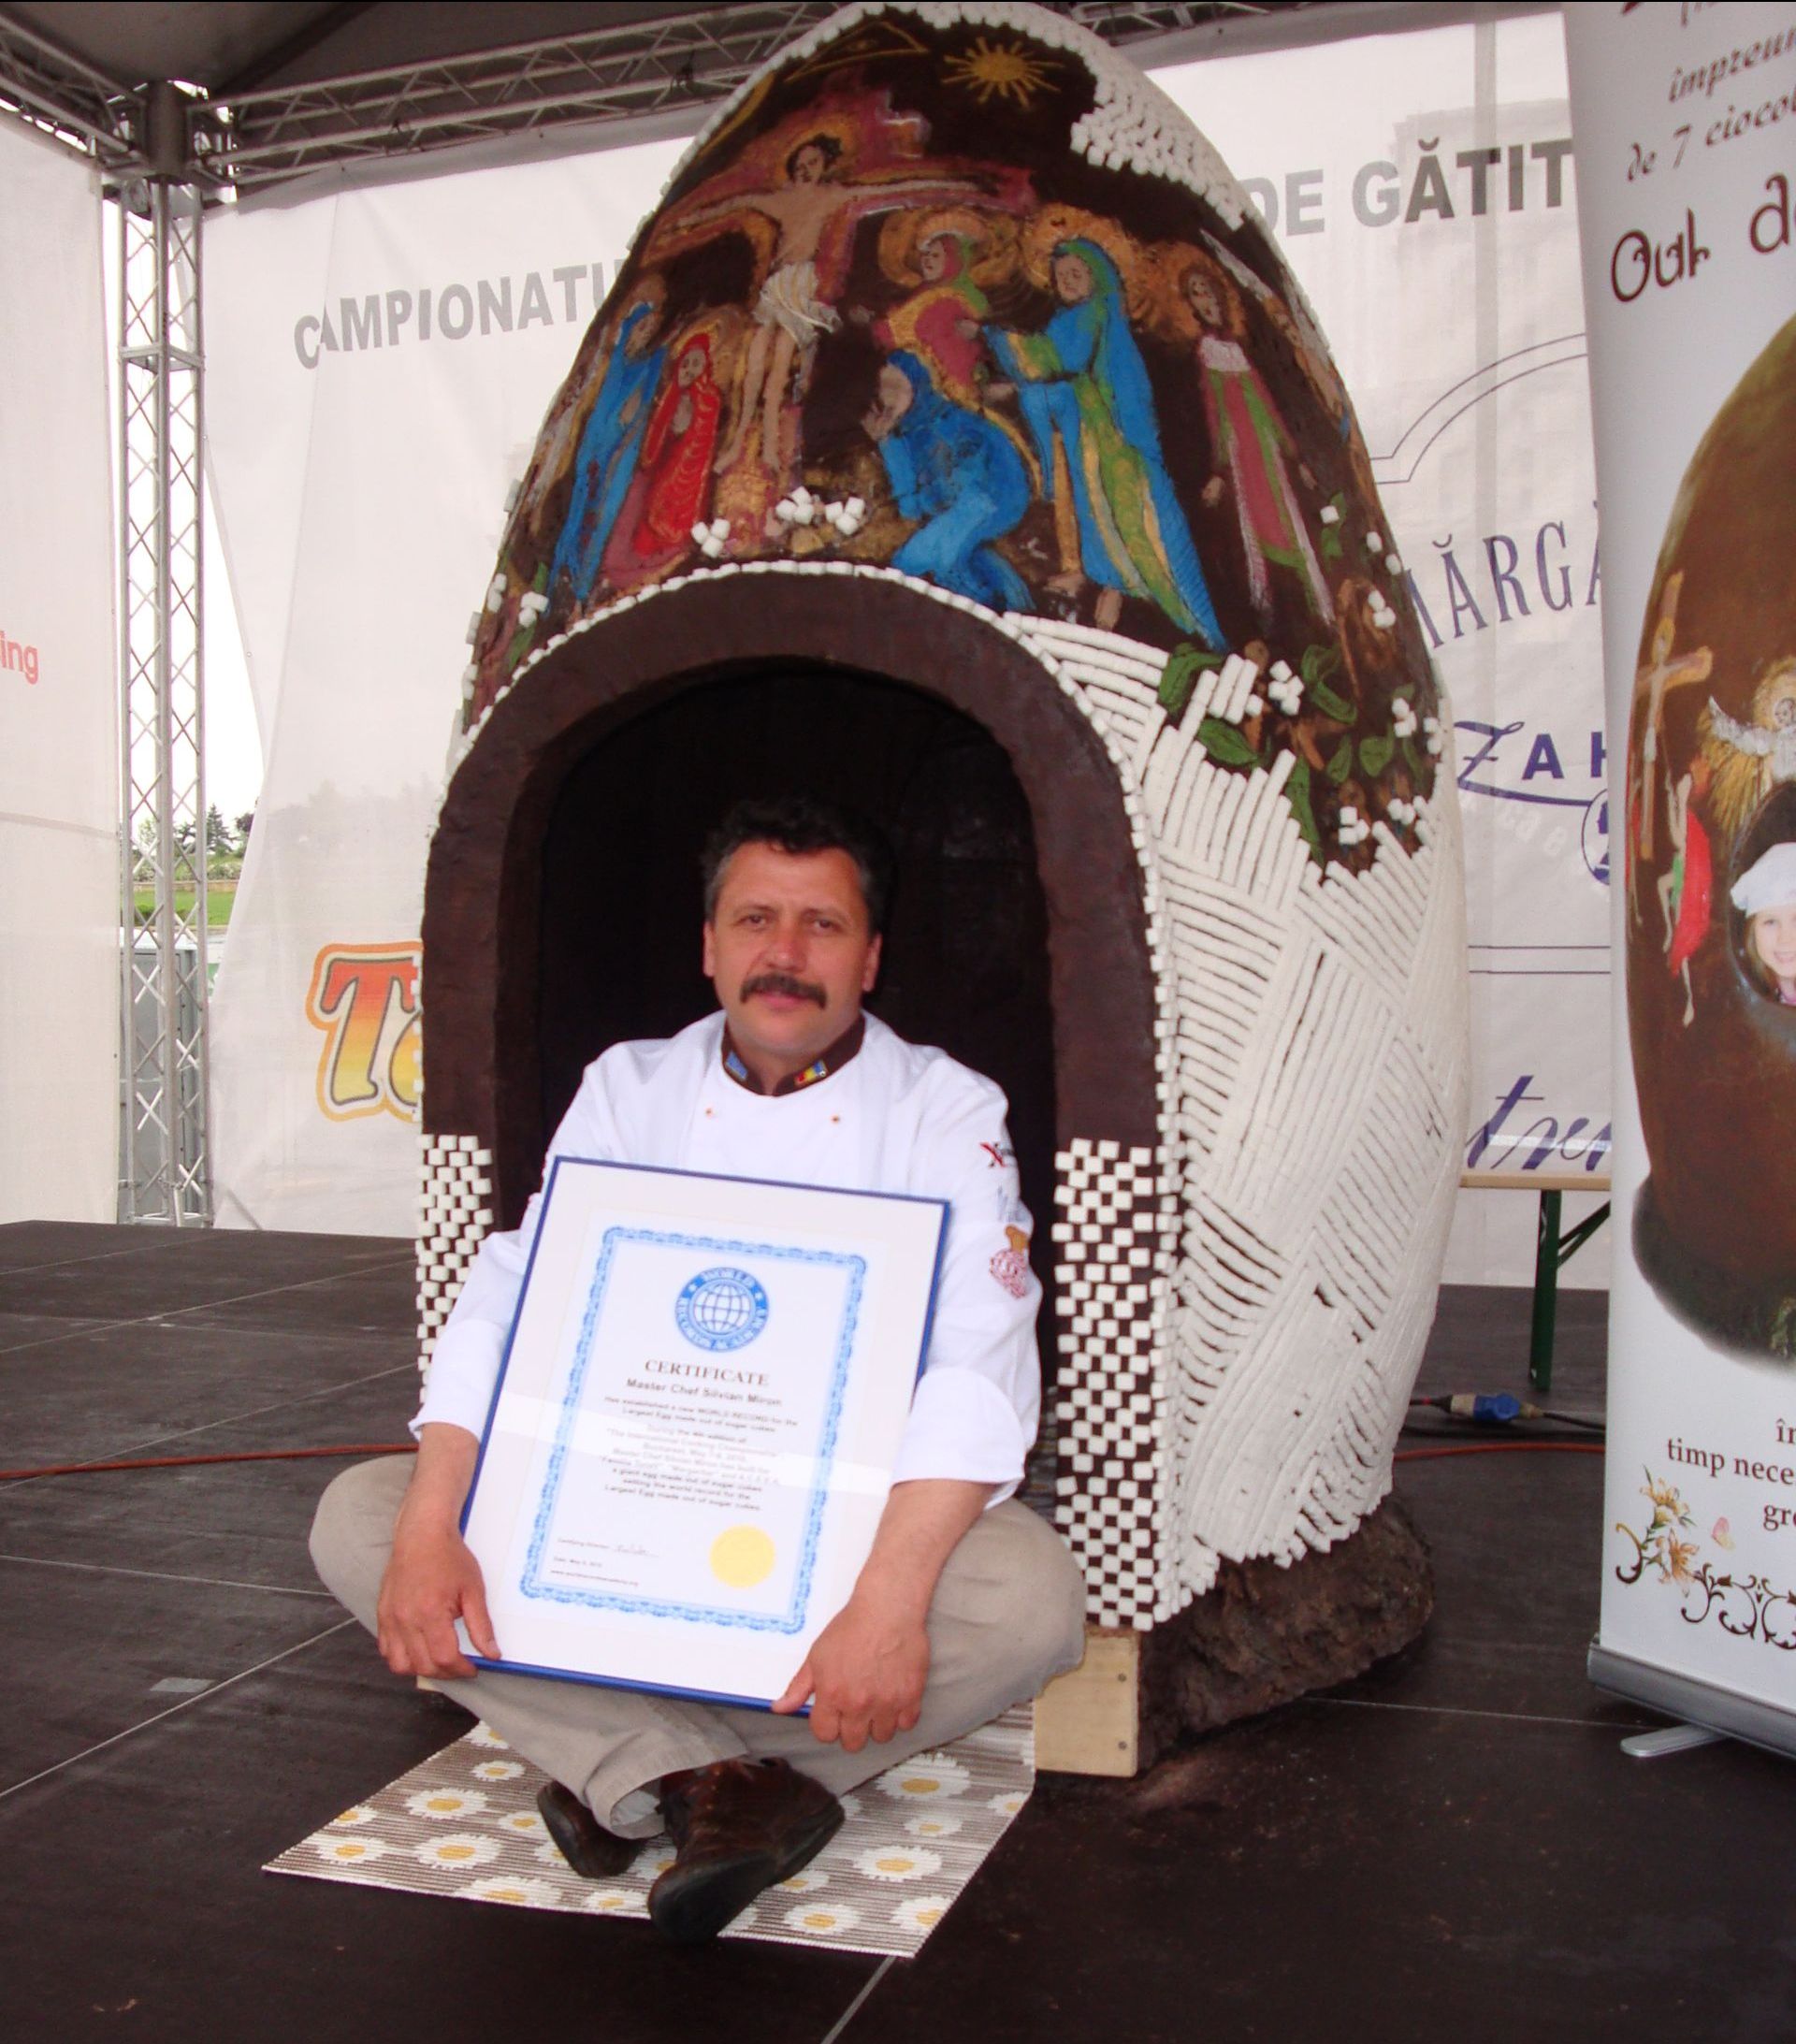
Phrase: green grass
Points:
(220, 896)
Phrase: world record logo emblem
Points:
(720, 1309)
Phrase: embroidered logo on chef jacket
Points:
(830, 1059)
(721, 1308)
(1000, 1154)
(1010, 1267)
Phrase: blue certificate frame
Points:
(550, 1414)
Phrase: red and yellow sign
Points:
(365, 998)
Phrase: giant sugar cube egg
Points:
(956, 440)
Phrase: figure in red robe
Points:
(1253, 448)
(678, 451)
(1686, 893)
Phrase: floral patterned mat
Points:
(465, 1824)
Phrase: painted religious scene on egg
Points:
(1710, 879)
(887, 314)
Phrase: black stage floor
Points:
(1454, 1847)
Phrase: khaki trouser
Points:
(1008, 1615)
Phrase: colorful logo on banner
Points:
(365, 998)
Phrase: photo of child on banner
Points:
(1712, 834)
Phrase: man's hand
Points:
(866, 1669)
(432, 1579)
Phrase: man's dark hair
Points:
(799, 823)
(825, 145)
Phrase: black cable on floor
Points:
(196, 1461)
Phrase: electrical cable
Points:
(1487, 1409)
(195, 1461)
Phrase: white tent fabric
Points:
(59, 909)
(379, 361)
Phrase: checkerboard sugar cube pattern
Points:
(465, 1825)
(1109, 1221)
(455, 1211)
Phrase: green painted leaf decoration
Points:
(1342, 762)
(1297, 792)
(1318, 663)
(1179, 678)
(1225, 745)
(1375, 754)
(1330, 704)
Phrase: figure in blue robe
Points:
(961, 475)
(606, 462)
(1084, 392)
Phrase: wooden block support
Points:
(1088, 1721)
(1536, 1181)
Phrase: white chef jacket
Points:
(896, 1118)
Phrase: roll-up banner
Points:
(379, 361)
(1686, 126)
(59, 802)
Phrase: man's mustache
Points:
(783, 982)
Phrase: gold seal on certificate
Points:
(695, 1427)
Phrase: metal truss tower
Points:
(166, 1173)
(139, 141)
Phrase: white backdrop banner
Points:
(1686, 118)
(59, 911)
(379, 363)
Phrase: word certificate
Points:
(695, 1426)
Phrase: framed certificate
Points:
(694, 1428)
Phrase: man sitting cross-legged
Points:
(968, 1603)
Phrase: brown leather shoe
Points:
(586, 1844)
(740, 1826)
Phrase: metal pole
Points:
(1546, 1293)
(166, 1173)
(202, 1116)
(168, 861)
(127, 804)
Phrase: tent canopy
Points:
(277, 88)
